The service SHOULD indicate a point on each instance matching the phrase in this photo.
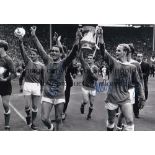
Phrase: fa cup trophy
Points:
(89, 41)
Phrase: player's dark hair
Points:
(90, 55)
(33, 49)
(4, 44)
(60, 49)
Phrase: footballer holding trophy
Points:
(90, 70)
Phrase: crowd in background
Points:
(141, 38)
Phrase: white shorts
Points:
(104, 76)
(132, 95)
(86, 92)
(32, 89)
(111, 106)
(52, 101)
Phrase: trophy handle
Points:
(97, 41)
(96, 48)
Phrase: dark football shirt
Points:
(8, 64)
(88, 79)
(122, 75)
(34, 72)
(55, 75)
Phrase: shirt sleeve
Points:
(71, 56)
(110, 60)
(41, 50)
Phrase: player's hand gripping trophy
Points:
(90, 39)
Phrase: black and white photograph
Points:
(77, 77)
(81, 68)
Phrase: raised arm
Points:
(23, 52)
(83, 62)
(71, 55)
(61, 47)
(39, 46)
(74, 50)
(106, 56)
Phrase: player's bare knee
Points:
(58, 119)
(91, 105)
(27, 107)
(44, 119)
(111, 121)
(85, 102)
(6, 106)
(34, 107)
(7, 111)
(129, 122)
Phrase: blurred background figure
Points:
(145, 67)
(152, 69)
